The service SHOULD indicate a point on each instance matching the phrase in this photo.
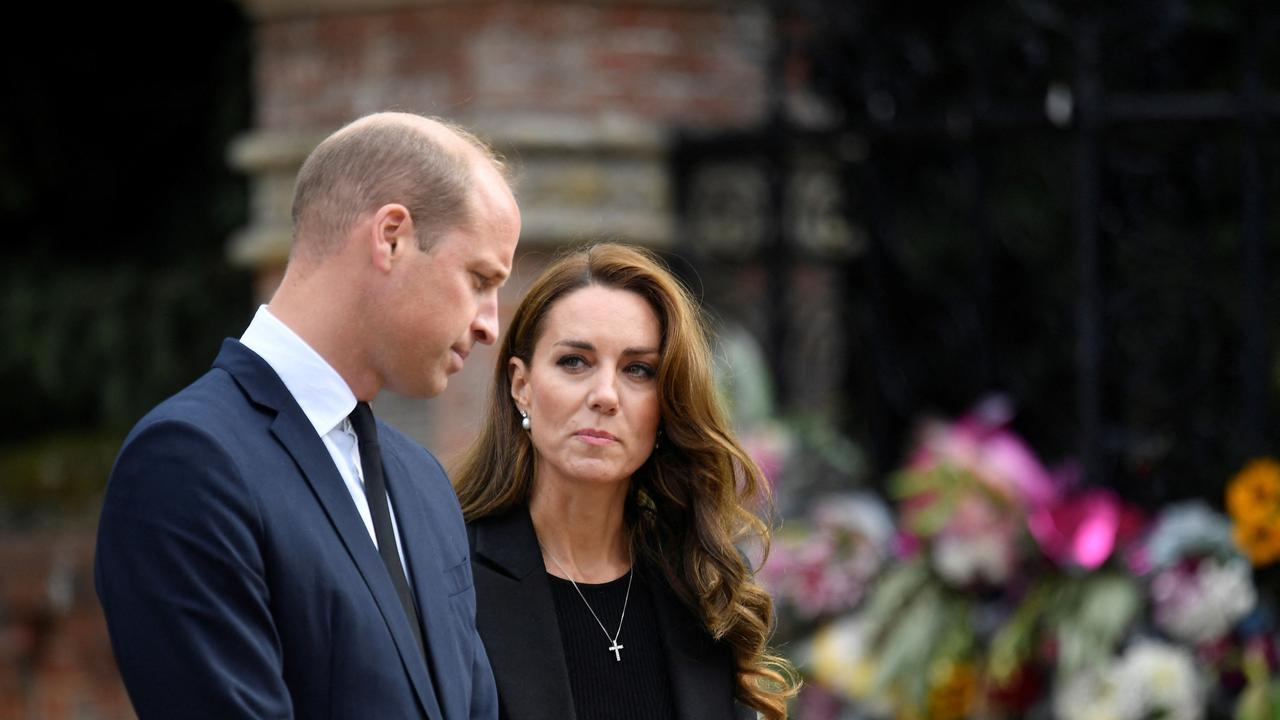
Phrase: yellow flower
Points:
(1253, 495)
(954, 692)
(1259, 540)
(840, 659)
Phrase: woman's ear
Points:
(518, 374)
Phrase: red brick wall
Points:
(55, 658)
(691, 65)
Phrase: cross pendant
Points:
(615, 648)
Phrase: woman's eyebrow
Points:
(584, 345)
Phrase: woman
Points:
(604, 498)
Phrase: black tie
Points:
(375, 491)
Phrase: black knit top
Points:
(604, 687)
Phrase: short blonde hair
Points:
(386, 158)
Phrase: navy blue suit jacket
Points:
(239, 580)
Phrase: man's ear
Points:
(518, 374)
(391, 235)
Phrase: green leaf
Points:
(1090, 628)
(906, 657)
(891, 594)
(1013, 642)
(1260, 699)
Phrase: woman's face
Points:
(591, 388)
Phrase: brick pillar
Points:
(580, 96)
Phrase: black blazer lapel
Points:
(701, 670)
(516, 617)
(299, 439)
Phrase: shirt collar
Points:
(321, 392)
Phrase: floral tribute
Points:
(985, 585)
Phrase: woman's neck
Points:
(581, 530)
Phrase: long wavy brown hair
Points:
(692, 500)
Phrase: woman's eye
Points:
(571, 362)
(640, 370)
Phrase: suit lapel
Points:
(516, 616)
(415, 517)
(299, 439)
(700, 671)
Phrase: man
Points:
(266, 549)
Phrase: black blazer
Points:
(516, 617)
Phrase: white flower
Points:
(962, 559)
(1095, 694)
(1189, 528)
(1165, 679)
(1203, 605)
(1151, 679)
(838, 658)
(860, 514)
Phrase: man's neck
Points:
(316, 310)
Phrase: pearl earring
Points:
(524, 420)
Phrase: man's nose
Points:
(485, 326)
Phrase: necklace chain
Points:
(630, 575)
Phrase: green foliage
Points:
(1088, 617)
(916, 623)
(58, 478)
(96, 348)
(1015, 642)
(116, 202)
(1091, 615)
(1260, 699)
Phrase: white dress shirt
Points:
(325, 399)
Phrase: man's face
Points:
(446, 299)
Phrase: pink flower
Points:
(980, 443)
(770, 447)
(827, 565)
(905, 545)
(1083, 530)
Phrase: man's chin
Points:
(424, 390)
(436, 388)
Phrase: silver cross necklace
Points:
(615, 648)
